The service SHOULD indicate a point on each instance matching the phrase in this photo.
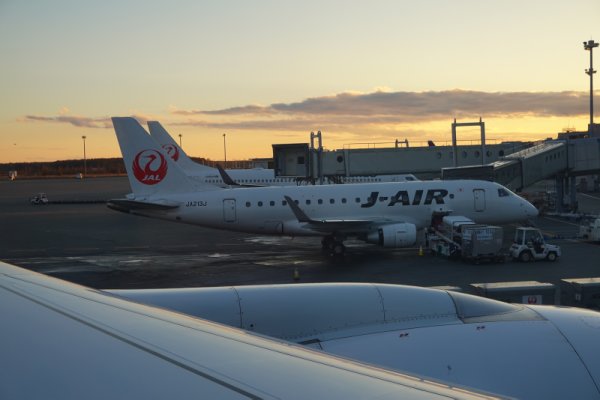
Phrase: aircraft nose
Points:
(530, 210)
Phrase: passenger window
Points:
(247, 204)
(344, 201)
(260, 203)
(284, 203)
(357, 199)
(331, 201)
(307, 202)
(272, 203)
(320, 201)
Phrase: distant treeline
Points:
(94, 166)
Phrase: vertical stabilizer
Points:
(171, 147)
(150, 171)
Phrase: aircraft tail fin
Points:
(169, 145)
(149, 170)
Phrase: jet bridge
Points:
(519, 169)
(562, 160)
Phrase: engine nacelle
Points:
(394, 235)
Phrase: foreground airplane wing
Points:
(63, 341)
(521, 351)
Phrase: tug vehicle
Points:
(529, 245)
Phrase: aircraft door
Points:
(479, 199)
(229, 210)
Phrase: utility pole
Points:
(589, 45)
(225, 150)
(84, 158)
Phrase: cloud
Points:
(353, 111)
(413, 106)
(82, 122)
(244, 110)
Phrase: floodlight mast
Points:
(589, 45)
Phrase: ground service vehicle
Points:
(590, 231)
(460, 237)
(529, 245)
(39, 198)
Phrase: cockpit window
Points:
(503, 192)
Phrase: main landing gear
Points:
(333, 246)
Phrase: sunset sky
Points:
(267, 72)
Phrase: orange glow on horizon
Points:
(41, 142)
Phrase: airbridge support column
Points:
(573, 194)
(560, 193)
(566, 193)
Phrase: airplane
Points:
(60, 340)
(253, 176)
(387, 214)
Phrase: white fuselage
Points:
(264, 210)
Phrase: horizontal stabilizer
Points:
(126, 205)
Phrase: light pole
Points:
(84, 158)
(180, 135)
(589, 45)
(225, 150)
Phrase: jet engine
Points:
(394, 235)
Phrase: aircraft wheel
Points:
(551, 256)
(338, 249)
(525, 256)
(327, 242)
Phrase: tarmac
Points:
(85, 242)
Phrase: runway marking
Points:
(132, 247)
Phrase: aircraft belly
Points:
(502, 357)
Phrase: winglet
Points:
(226, 178)
(302, 217)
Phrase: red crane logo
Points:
(172, 151)
(149, 167)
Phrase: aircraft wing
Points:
(64, 341)
(330, 225)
